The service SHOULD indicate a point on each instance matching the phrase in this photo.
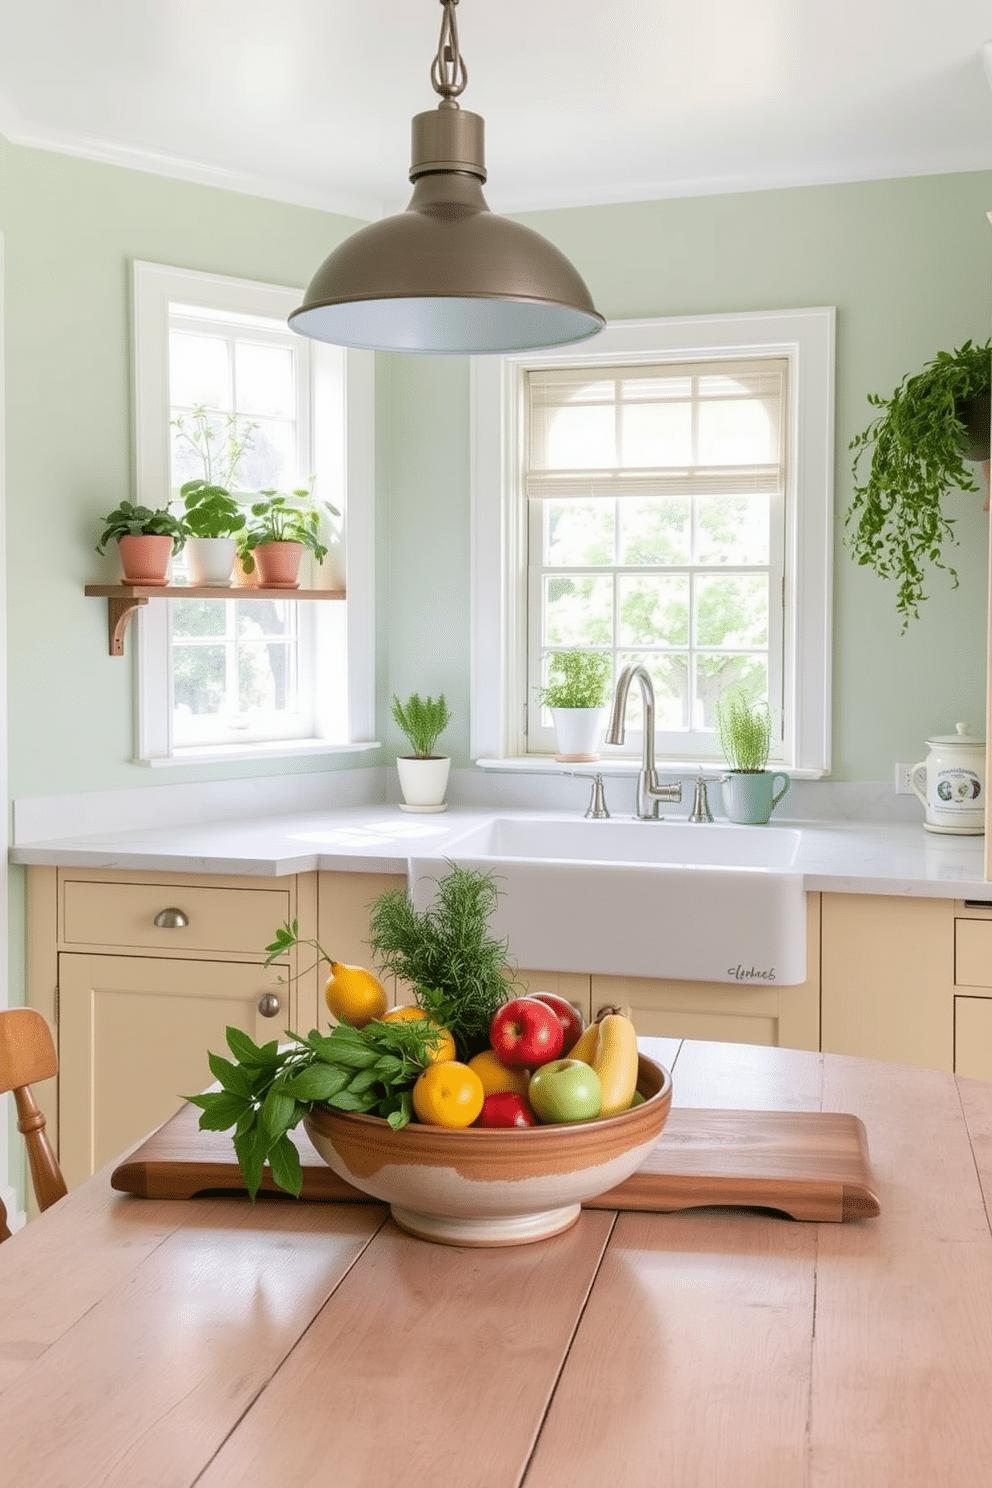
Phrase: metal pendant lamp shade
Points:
(447, 276)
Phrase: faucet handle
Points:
(597, 801)
(700, 803)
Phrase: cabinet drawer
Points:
(973, 953)
(122, 915)
(973, 1037)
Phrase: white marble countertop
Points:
(833, 856)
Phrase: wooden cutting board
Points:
(810, 1165)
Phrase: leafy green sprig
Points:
(268, 1089)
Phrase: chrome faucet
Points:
(649, 792)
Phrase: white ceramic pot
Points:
(423, 782)
(951, 783)
(211, 560)
(578, 733)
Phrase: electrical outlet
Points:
(903, 787)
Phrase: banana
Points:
(585, 1049)
(615, 1062)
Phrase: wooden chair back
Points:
(27, 1054)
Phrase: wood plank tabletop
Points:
(162, 1343)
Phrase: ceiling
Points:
(310, 100)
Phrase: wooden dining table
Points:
(216, 1342)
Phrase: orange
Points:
(448, 1094)
(442, 1052)
(495, 1075)
(354, 995)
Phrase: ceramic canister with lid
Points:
(951, 783)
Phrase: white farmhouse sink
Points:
(713, 902)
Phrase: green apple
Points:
(565, 1090)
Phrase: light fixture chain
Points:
(448, 72)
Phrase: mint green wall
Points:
(905, 262)
(907, 265)
(72, 229)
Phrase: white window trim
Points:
(154, 286)
(498, 632)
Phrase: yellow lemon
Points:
(444, 1051)
(448, 1094)
(353, 995)
(496, 1076)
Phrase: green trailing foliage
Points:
(423, 721)
(917, 449)
(128, 520)
(446, 953)
(577, 679)
(744, 729)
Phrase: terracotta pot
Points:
(145, 560)
(278, 564)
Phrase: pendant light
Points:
(447, 275)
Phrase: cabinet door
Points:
(973, 1037)
(134, 1034)
(887, 970)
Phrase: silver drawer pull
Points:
(269, 1004)
(171, 919)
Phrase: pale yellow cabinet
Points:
(973, 995)
(140, 974)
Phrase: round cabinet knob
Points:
(171, 919)
(269, 1004)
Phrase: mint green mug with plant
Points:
(745, 732)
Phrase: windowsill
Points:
(546, 764)
(209, 754)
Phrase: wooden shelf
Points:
(123, 600)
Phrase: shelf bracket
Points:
(119, 614)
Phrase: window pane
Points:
(199, 617)
(654, 611)
(199, 678)
(266, 677)
(265, 380)
(271, 460)
(258, 618)
(716, 673)
(578, 611)
(732, 610)
(733, 529)
(579, 533)
(656, 434)
(199, 370)
(670, 675)
(655, 530)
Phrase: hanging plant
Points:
(920, 444)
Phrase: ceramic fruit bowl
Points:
(492, 1186)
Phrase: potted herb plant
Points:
(213, 517)
(577, 692)
(928, 434)
(744, 729)
(281, 528)
(423, 774)
(146, 541)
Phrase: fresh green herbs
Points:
(267, 1090)
(577, 679)
(446, 953)
(423, 720)
(745, 731)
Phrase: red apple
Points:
(526, 1032)
(565, 1090)
(571, 1020)
(505, 1108)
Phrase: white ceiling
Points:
(584, 101)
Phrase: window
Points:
(666, 500)
(225, 677)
